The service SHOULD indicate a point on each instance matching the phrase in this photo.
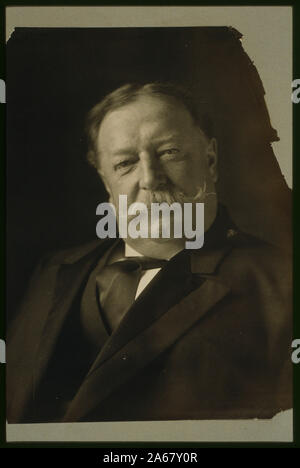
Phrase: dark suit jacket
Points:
(208, 338)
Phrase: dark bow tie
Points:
(145, 263)
(117, 284)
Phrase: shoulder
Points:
(74, 254)
(43, 279)
(261, 275)
(250, 255)
(40, 291)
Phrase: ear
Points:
(212, 159)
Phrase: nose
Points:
(151, 175)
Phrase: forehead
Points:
(146, 116)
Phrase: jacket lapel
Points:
(71, 277)
(131, 347)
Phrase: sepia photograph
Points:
(149, 218)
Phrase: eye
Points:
(123, 165)
(169, 152)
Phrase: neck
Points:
(163, 249)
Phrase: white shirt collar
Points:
(130, 252)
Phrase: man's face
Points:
(152, 144)
(152, 151)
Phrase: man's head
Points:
(151, 143)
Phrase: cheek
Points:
(189, 172)
(124, 185)
(197, 168)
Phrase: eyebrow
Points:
(123, 151)
(166, 139)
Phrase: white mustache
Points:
(169, 195)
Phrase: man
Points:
(171, 333)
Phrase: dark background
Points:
(54, 76)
